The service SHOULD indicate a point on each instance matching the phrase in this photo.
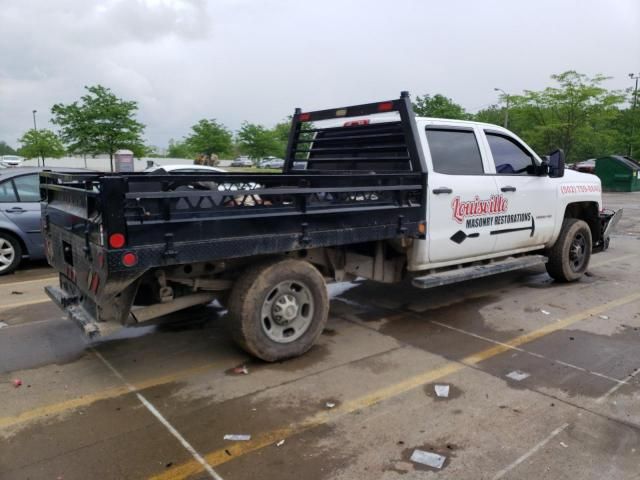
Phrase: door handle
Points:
(440, 190)
(15, 210)
(508, 188)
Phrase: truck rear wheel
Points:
(569, 257)
(278, 309)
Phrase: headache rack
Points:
(387, 144)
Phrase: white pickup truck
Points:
(366, 191)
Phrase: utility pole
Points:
(506, 112)
(35, 127)
(633, 76)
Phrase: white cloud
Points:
(249, 60)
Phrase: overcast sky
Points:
(236, 60)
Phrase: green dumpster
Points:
(618, 173)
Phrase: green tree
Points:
(100, 123)
(41, 143)
(5, 149)
(178, 149)
(578, 115)
(439, 106)
(628, 126)
(257, 141)
(492, 114)
(281, 132)
(209, 137)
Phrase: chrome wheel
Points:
(287, 311)
(578, 252)
(7, 254)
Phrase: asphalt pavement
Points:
(543, 379)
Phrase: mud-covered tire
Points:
(569, 257)
(10, 253)
(261, 297)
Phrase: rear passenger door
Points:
(461, 196)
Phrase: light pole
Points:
(633, 76)
(35, 127)
(506, 112)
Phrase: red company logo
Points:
(478, 207)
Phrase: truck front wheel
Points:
(569, 257)
(278, 309)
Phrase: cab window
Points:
(454, 151)
(508, 156)
(7, 193)
(27, 188)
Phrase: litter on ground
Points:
(237, 437)
(604, 317)
(280, 443)
(429, 459)
(243, 370)
(545, 312)
(16, 382)
(3, 324)
(442, 391)
(330, 404)
(564, 444)
(517, 375)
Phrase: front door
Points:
(531, 197)
(461, 197)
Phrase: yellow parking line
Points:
(262, 440)
(9, 306)
(25, 282)
(61, 407)
(614, 259)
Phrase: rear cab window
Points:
(454, 151)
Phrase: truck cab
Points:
(489, 196)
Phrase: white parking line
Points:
(617, 381)
(533, 450)
(149, 406)
(613, 389)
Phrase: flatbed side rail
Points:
(183, 218)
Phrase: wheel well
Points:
(587, 211)
(23, 245)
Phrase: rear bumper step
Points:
(478, 271)
(69, 304)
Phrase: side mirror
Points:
(556, 164)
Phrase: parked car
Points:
(20, 228)
(242, 162)
(272, 162)
(588, 166)
(184, 168)
(11, 160)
